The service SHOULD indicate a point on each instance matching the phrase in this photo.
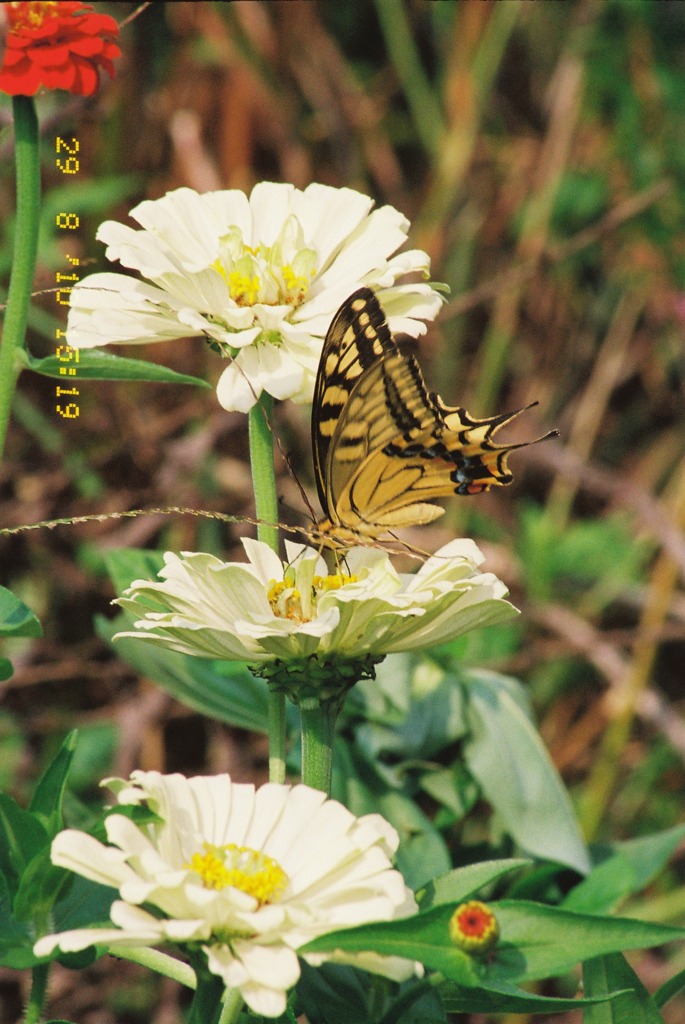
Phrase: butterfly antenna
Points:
(408, 549)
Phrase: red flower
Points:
(58, 46)
(473, 927)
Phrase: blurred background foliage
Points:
(539, 151)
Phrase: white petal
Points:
(393, 967)
(83, 854)
(408, 306)
(190, 224)
(112, 308)
(270, 204)
(367, 248)
(137, 928)
(265, 561)
(243, 333)
(329, 215)
(234, 391)
(295, 552)
(137, 249)
(277, 823)
(81, 938)
(274, 966)
(262, 974)
(133, 919)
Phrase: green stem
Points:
(263, 470)
(266, 508)
(39, 985)
(318, 732)
(27, 159)
(206, 1007)
(233, 1004)
(277, 727)
(159, 962)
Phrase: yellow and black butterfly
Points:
(384, 446)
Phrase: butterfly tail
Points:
(479, 462)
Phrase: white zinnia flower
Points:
(265, 610)
(249, 875)
(260, 276)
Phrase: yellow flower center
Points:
(272, 275)
(320, 584)
(242, 868)
(296, 285)
(32, 15)
(243, 289)
(286, 600)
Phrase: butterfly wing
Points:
(384, 446)
(457, 455)
(352, 355)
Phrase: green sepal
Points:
(320, 679)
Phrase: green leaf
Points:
(22, 836)
(604, 974)
(419, 1002)
(16, 619)
(93, 364)
(505, 998)
(463, 883)
(93, 757)
(538, 941)
(649, 854)
(422, 853)
(80, 904)
(627, 869)
(46, 802)
(605, 887)
(453, 787)
(83, 903)
(16, 938)
(434, 721)
(222, 690)
(128, 564)
(334, 993)
(423, 937)
(507, 757)
(40, 886)
(17, 954)
(670, 989)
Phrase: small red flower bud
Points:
(474, 928)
